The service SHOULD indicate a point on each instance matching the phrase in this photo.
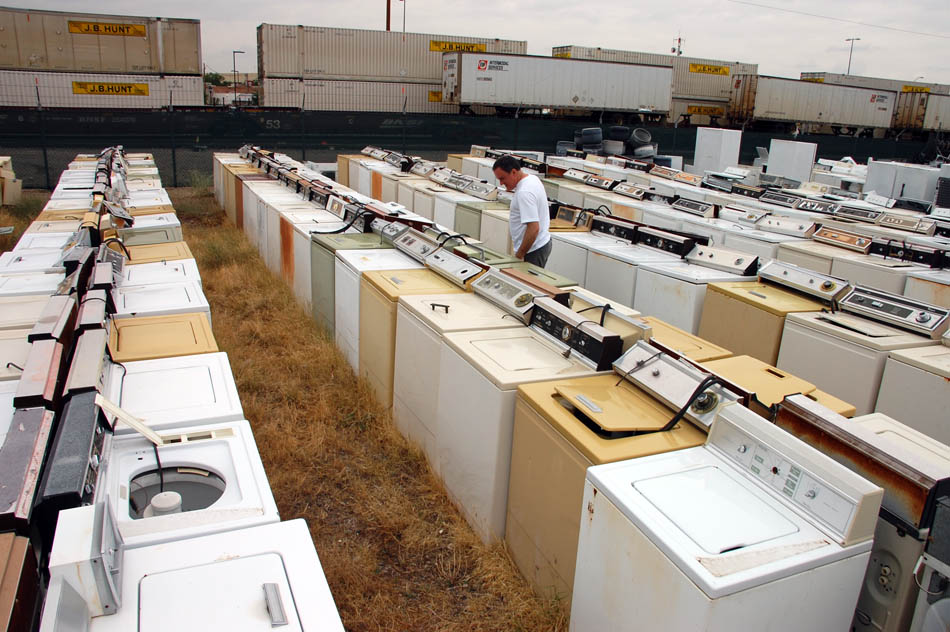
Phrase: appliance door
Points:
(347, 313)
(611, 278)
(322, 281)
(675, 301)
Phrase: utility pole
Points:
(388, 12)
(852, 40)
(234, 54)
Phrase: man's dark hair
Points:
(507, 164)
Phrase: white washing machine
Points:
(30, 283)
(755, 530)
(673, 291)
(42, 260)
(844, 353)
(879, 273)
(298, 273)
(915, 388)
(494, 231)
(421, 323)
(813, 255)
(424, 200)
(756, 242)
(443, 212)
(569, 251)
(160, 299)
(14, 349)
(173, 271)
(481, 371)
(259, 578)
(215, 470)
(612, 269)
(42, 241)
(348, 267)
(929, 286)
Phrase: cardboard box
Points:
(12, 189)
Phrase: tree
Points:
(215, 79)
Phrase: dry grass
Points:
(397, 554)
(20, 216)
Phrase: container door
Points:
(31, 41)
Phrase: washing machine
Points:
(541, 274)
(14, 350)
(258, 578)
(889, 275)
(674, 290)
(159, 299)
(175, 271)
(626, 322)
(813, 255)
(611, 269)
(914, 471)
(152, 337)
(421, 323)
(61, 226)
(929, 286)
(468, 218)
(297, 268)
(389, 185)
(380, 291)
(753, 241)
(481, 371)
(151, 253)
(683, 342)
(323, 249)
(348, 268)
(21, 312)
(739, 533)
(41, 260)
(151, 229)
(30, 283)
(569, 251)
(748, 317)
(915, 388)
(870, 325)
(43, 241)
(445, 203)
(563, 426)
(495, 233)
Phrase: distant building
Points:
(232, 95)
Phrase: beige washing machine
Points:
(813, 255)
(379, 294)
(929, 286)
(748, 317)
(915, 389)
(845, 352)
(564, 426)
(889, 275)
(468, 218)
(481, 371)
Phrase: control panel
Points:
(397, 160)
(723, 259)
(416, 244)
(664, 172)
(689, 178)
(817, 206)
(903, 251)
(423, 168)
(879, 200)
(481, 190)
(630, 190)
(577, 175)
(717, 184)
(820, 286)
(780, 199)
(843, 239)
(614, 227)
(672, 381)
(787, 226)
(478, 151)
(536, 166)
(337, 206)
(391, 231)
(747, 190)
(442, 176)
(601, 182)
(458, 270)
(866, 215)
(908, 222)
(702, 209)
(742, 214)
(900, 311)
(318, 196)
(514, 297)
(570, 217)
(378, 154)
(598, 346)
(665, 241)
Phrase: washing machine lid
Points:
(480, 206)
(581, 298)
(933, 359)
(769, 384)
(396, 283)
(14, 349)
(817, 249)
(456, 197)
(693, 273)
(861, 331)
(762, 235)
(150, 253)
(586, 239)
(18, 312)
(377, 259)
(484, 255)
(351, 241)
(921, 452)
(184, 296)
(150, 337)
(26, 283)
(8, 390)
(58, 226)
(158, 220)
(874, 262)
(501, 213)
(770, 298)
(940, 277)
(457, 312)
(546, 276)
(68, 206)
(309, 216)
(160, 272)
(633, 254)
(685, 343)
(35, 241)
(41, 260)
(509, 357)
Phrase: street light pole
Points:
(234, 54)
(852, 40)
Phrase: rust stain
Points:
(287, 250)
(377, 185)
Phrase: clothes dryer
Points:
(776, 525)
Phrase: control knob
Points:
(923, 317)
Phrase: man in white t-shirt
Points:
(529, 218)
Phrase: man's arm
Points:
(530, 234)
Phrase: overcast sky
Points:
(782, 43)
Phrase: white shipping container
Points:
(316, 52)
(692, 76)
(85, 42)
(86, 90)
(876, 83)
(354, 96)
(517, 80)
(776, 99)
(938, 113)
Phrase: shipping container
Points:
(316, 52)
(87, 90)
(912, 96)
(699, 78)
(354, 96)
(697, 111)
(85, 42)
(548, 82)
(938, 113)
(760, 98)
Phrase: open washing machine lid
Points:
(159, 220)
(770, 298)
(769, 384)
(546, 276)
(861, 331)
(395, 283)
(353, 241)
(457, 312)
(377, 259)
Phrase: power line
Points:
(827, 17)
